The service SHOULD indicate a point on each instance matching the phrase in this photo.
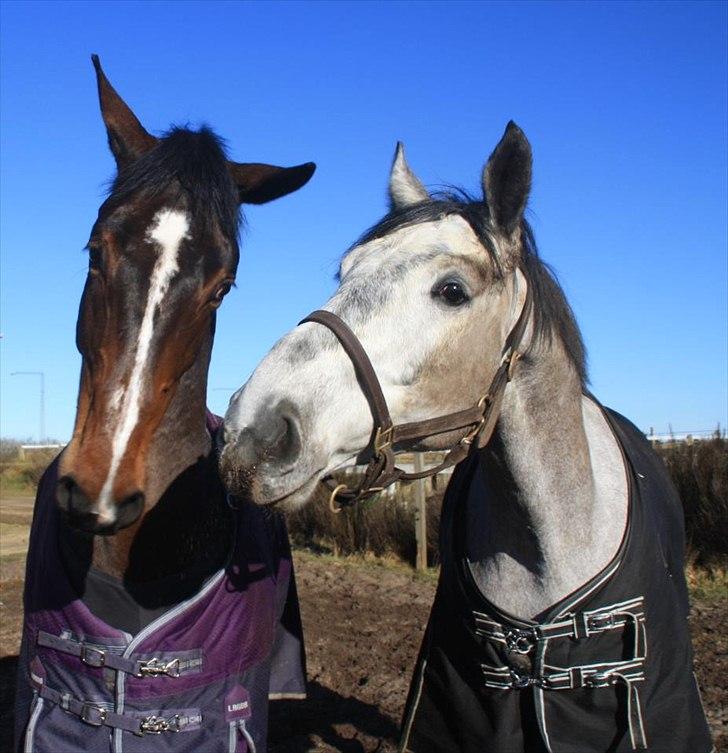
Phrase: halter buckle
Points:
(383, 439)
(472, 435)
(510, 359)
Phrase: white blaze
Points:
(167, 231)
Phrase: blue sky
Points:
(624, 104)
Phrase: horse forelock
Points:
(190, 166)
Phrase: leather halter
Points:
(480, 420)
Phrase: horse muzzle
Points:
(86, 515)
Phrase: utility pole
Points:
(41, 374)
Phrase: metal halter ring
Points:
(332, 499)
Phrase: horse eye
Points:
(221, 292)
(94, 259)
(452, 293)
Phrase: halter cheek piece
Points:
(480, 420)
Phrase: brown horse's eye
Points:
(221, 292)
(94, 259)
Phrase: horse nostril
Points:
(129, 510)
(64, 492)
(286, 446)
(70, 497)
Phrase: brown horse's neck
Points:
(185, 529)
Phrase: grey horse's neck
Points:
(547, 507)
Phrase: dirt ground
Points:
(363, 621)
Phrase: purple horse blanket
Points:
(197, 678)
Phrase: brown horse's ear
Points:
(128, 139)
(258, 183)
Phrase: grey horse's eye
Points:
(451, 292)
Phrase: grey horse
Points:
(562, 537)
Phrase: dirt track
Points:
(363, 623)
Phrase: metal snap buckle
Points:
(93, 715)
(520, 641)
(92, 656)
(156, 667)
(155, 725)
(519, 681)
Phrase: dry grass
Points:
(384, 526)
(700, 473)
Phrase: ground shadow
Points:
(294, 724)
(8, 670)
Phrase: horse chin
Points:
(90, 525)
(293, 500)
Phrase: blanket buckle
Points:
(155, 725)
(156, 668)
(93, 715)
(92, 656)
(520, 641)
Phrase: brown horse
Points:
(162, 255)
(133, 515)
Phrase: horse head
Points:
(432, 293)
(163, 253)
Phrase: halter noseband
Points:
(382, 470)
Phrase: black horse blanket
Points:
(609, 668)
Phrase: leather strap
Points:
(170, 665)
(382, 470)
(99, 715)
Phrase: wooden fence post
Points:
(420, 514)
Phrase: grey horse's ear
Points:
(507, 179)
(128, 139)
(405, 187)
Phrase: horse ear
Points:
(507, 179)
(405, 187)
(128, 139)
(258, 183)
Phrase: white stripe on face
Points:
(167, 231)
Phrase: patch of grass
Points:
(707, 585)
(20, 476)
(382, 526)
(368, 561)
(700, 474)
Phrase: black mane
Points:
(195, 162)
(552, 313)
